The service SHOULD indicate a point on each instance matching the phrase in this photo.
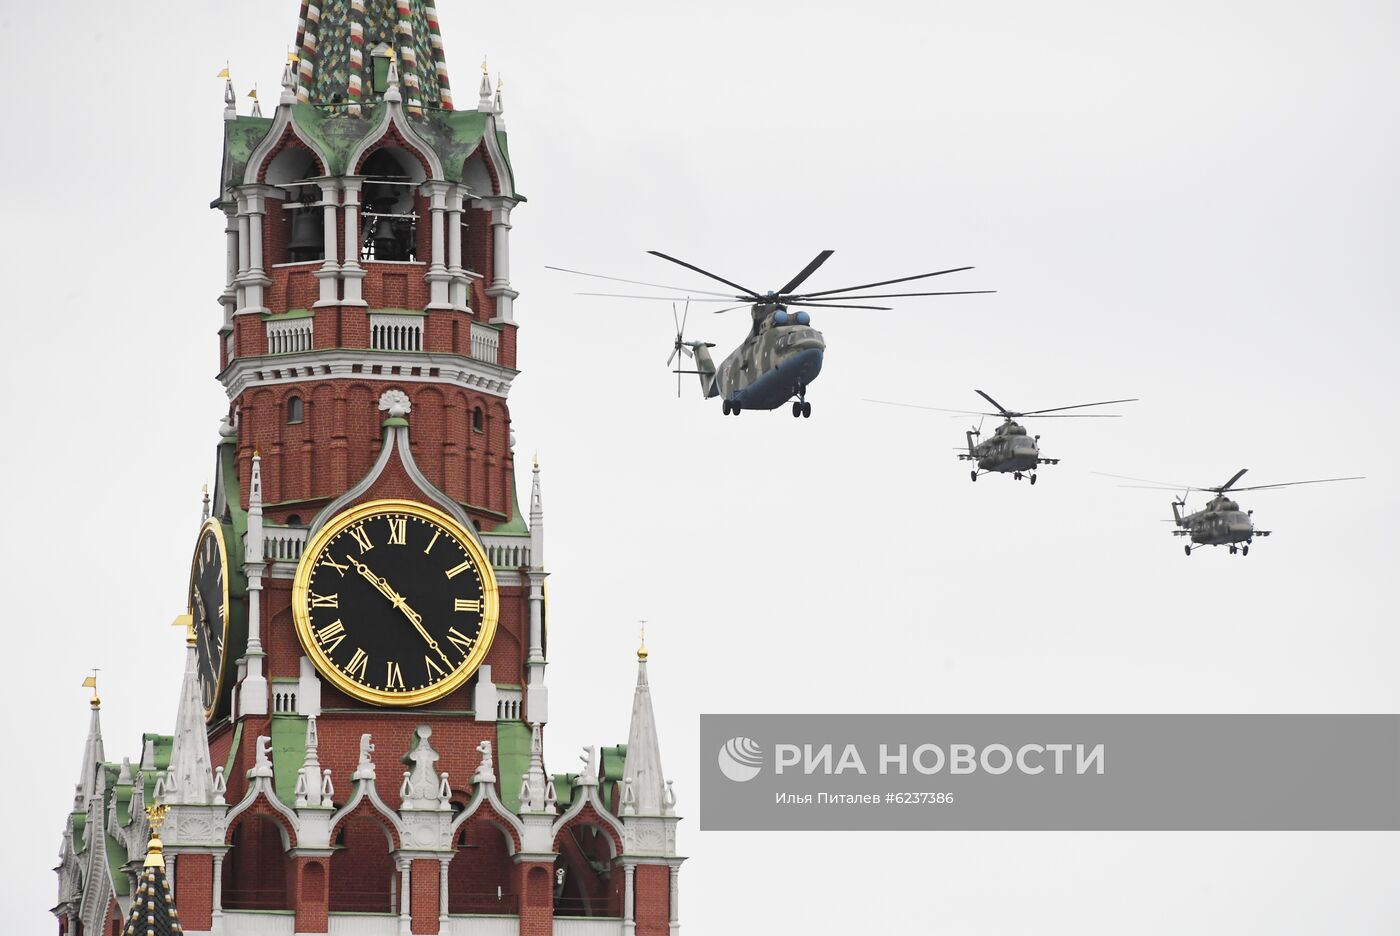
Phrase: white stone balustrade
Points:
(289, 336)
(396, 332)
(486, 343)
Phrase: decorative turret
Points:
(190, 777)
(153, 910)
(642, 778)
(93, 754)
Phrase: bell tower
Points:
(361, 724)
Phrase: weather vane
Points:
(642, 650)
(91, 683)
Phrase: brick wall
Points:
(194, 889)
(653, 907)
(362, 871)
(424, 882)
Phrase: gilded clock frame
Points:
(215, 526)
(301, 617)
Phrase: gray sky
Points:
(1195, 205)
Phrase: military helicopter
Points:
(783, 353)
(1221, 522)
(1010, 450)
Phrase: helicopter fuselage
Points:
(1010, 450)
(777, 362)
(1221, 523)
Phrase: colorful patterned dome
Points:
(345, 47)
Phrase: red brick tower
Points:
(359, 742)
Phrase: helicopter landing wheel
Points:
(726, 407)
(806, 410)
(974, 476)
(1017, 476)
(796, 409)
(1032, 479)
(1188, 552)
(736, 408)
(1233, 550)
(1245, 549)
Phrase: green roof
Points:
(513, 741)
(288, 753)
(241, 136)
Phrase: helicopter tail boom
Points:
(705, 367)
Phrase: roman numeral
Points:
(331, 635)
(435, 672)
(328, 561)
(460, 640)
(398, 531)
(429, 548)
(325, 601)
(358, 664)
(395, 678)
(464, 604)
(458, 570)
(360, 536)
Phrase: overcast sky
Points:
(1194, 204)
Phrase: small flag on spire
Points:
(223, 73)
(90, 682)
(292, 57)
(253, 94)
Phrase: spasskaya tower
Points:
(359, 743)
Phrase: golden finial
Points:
(500, 84)
(91, 683)
(537, 461)
(187, 622)
(642, 650)
(484, 69)
(155, 857)
(292, 57)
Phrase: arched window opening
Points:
(390, 207)
(586, 888)
(302, 216)
(480, 877)
(293, 519)
(363, 876)
(478, 420)
(255, 869)
(296, 410)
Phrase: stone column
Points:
(351, 273)
(629, 899)
(329, 273)
(254, 276)
(229, 298)
(405, 898)
(500, 273)
(675, 901)
(438, 277)
(458, 291)
(218, 895)
(442, 893)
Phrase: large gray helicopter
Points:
(1221, 522)
(782, 353)
(1011, 450)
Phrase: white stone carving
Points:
(395, 403)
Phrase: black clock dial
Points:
(395, 605)
(209, 606)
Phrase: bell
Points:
(306, 239)
(386, 242)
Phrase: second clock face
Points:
(394, 603)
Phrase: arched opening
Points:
(297, 233)
(296, 410)
(363, 876)
(391, 183)
(481, 876)
(585, 884)
(478, 420)
(256, 867)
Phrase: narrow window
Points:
(296, 410)
(478, 420)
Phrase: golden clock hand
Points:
(416, 619)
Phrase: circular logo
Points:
(740, 759)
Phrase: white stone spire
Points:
(537, 694)
(311, 783)
(500, 106)
(642, 773)
(535, 785)
(486, 103)
(230, 100)
(536, 519)
(252, 695)
(190, 777)
(93, 754)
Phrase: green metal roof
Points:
(513, 742)
(288, 754)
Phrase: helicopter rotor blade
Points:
(690, 266)
(650, 298)
(1001, 409)
(1266, 487)
(732, 308)
(1056, 409)
(618, 279)
(1231, 483)
(813, 305)
(953, 292)
(890, 282)
(807, 271)
(1170, 485)
(936, 409)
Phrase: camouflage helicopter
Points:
(782, 353)
(1011, 450)
(1221, 522)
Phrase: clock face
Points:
(209, 606)
(395, 603)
